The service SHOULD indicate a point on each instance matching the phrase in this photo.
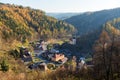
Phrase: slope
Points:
(90, 26)
(62, 16)
(91, 21)
(18, 22)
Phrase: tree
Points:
(71, 64)
(4, 66)
(15, 53)
(49, 46)
(104, 56)
(100, 55)
(51, 66)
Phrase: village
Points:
(49, 58)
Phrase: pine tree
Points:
(4, 66)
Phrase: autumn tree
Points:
(100, 55)
(104, 56)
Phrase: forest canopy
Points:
(18, 22)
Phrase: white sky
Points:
(67, 5)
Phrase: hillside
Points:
(113, 26)
(18, 27)
(90, 26)
(18, 22)
(62, 16)
(86, 42)
(91, 21)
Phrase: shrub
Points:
(4, 66)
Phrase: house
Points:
(82, 64)
(54, 51)
(26, 55)
(41, 45)
(38, 65)
(81, 58)
(27, 58)
(50, 56)
(57, 57)
(63, 60)
(73, 41)
(56, 46)
(42, 66)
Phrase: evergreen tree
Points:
(4, 66)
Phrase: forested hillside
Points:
(17, 22)
(113, 26)
(91, 21)
(107, 51)
(86, 41)
(62, 16)
(90, 26)
(21, 54)
(18, 27)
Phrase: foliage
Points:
(51, 66)
(89, 26)
(4, 66)
(49, 46)
(106, 56)
(113, 26)
(15, 53)
(71, 64)
(21, 23)
(91, 21)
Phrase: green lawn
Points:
(88, 59)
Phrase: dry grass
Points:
(52, 41)
(10, 75)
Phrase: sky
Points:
(66, 5)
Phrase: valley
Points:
(35, 45)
